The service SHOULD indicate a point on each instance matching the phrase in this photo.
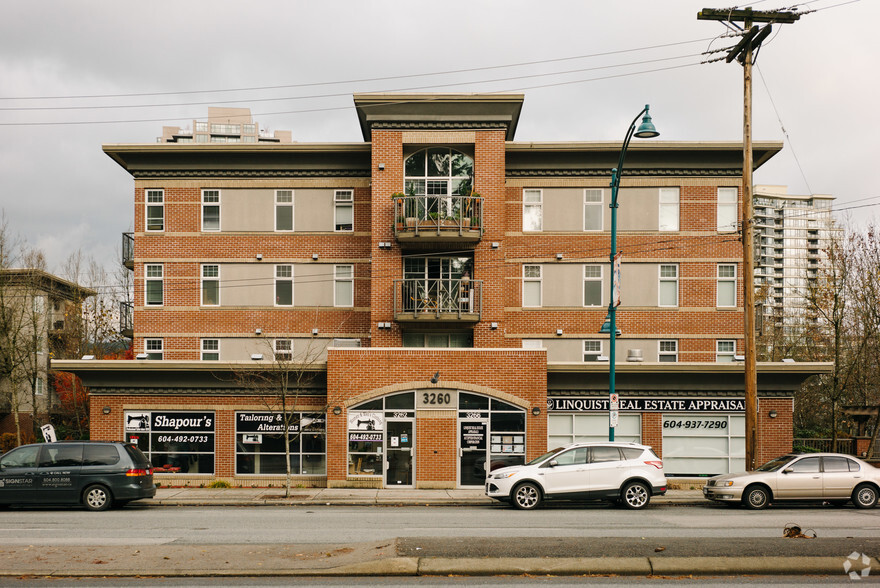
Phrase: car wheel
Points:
(865, 496)
(527, 496)
(756, 497)
(97, 497)
(635, 495)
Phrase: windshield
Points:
(545, 456)
(774, 465)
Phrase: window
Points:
(344, 210)
(592, 285)
(201, 127)
(210, 349)
(283, 285)
(531, 285)
(259, 443)
(593, 209)
(283, 210)
(155, 210)
(727, 210)
(343, 293)
(435, 180)
(39, 305)
(724, 351)
(668, 351)
(40, 387)
(283, 349)
(176, 441)
(210, 210)
(153, 348)
(669, 209)
(726, 284)
(592, 350)
(668, 287)
(533, 211)
(437, 340)
(153, 290)
(210, 285)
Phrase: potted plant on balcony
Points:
(400, 210)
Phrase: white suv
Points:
(626, 473)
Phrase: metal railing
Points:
(128, 250)
(126, 319)
(438, 297)
(825, 445)
(437, 214)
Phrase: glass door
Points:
(472, 451)
(399, 439)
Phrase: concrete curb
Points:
(441, 566)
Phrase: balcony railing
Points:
(438, 299)
(128, 250)
(438, 217)
(126, 319)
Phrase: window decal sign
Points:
(366, 421)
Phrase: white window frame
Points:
(149, 204)
(669, 200)
(215, 351)
(285, 353)
(531, 279)
(537, 204)
(661, 279)
(341, 277)
(154, 278)
(725, 280)
(343, 199)
(211, 203)
(595, 350)
(592, 279)
(205, 279)
(731, 353)
(667, 352)
(283, 278)
(727, 210)
(590, 202)
(40, 388)
(279, 204)
(158, 348)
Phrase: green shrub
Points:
(219, 484)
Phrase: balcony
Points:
(128, 250)
(126, 319)
(435, 219)
(449, 301)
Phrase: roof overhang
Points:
(438, 111)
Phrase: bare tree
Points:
(281, 384)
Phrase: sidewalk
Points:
(357, 497)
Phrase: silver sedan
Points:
(830, 477)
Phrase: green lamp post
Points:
(645, 130)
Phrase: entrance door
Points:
(473, 455)
(399, 440)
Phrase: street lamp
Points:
(646, 130)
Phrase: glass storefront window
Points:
(259, 443)
(174, 441)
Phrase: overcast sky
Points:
(577, 62)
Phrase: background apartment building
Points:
(793, 235)
(224, 125)
(438, 292)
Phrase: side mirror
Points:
(553, 463)
(787, 470)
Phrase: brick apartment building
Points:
(435, 296)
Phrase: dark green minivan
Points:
(95, 474)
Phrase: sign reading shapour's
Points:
(571, 404)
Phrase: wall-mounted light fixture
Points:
(314, 331)
(558, 332)
(106, 410)
(337, 410)
(493, 326)
(536, 411)
(314, 257)
(381, 166)
(559, 256)
(258, 332)
(772, 414)
(259, 257)
(435, 378)
(495, 244)
(256, 356)
(141, 356)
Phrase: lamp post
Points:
(646, 130)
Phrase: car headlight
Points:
(725, 484)
(502, 476)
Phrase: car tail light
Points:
(139, 472)
(657, 464)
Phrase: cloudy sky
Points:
(75, 75)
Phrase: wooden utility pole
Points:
(744, 52)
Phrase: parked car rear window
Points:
(61, 455)
(601, 454)
(137, 456)
(100, 455)
(632, 452)
(839, 464)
